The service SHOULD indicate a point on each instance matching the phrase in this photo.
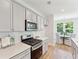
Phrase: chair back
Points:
(58, 39)
(73, 35)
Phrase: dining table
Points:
(64, 38)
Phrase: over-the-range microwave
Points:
(30, 26)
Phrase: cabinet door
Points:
(34, 17)
(23, 55)
(26, 56)
(40, 23)
(4, 15)
(18, 17)
(28, 15)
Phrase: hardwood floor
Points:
(50, 53)
(65, 48)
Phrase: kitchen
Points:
(20, 21)
(24, 32)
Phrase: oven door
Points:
(36, 54)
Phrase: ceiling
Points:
(57, 7)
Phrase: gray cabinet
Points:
(5, 15)
(18, 17)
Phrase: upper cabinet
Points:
(20, 14)
(40, 22)
(30, 16)
(34, 17)
(5, 15)
(18, 17)
(13, 16)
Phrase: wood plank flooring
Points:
(50, 53)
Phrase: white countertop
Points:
(11, 51)
(43, 38)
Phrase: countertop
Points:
(11, 51)
(42, 38)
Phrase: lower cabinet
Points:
(45, 46)
(23, 55)
(26, 56)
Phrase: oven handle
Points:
(36, 47)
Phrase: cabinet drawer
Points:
(26, 56)
(21, 55)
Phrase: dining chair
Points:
(73, 35)
(58, 39)
(68, 40)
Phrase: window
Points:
(69, 27)
(65, 28)
(60, 28)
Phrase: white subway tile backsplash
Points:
(17, 35)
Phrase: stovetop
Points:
(31, 41)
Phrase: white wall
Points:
(65, 16)
(50, 29)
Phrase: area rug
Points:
(61, 54)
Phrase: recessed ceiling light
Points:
(49, 2)
(62, 10)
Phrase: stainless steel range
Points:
(36, 50)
